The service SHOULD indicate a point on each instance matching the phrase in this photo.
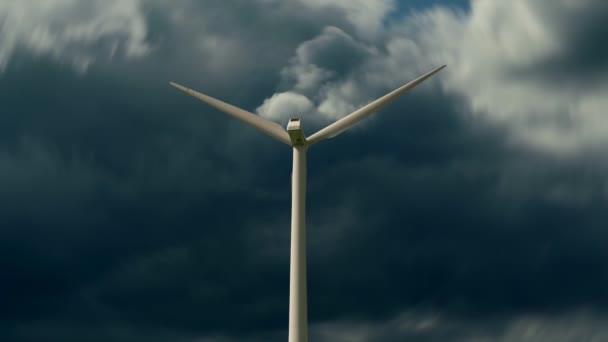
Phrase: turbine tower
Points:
(294, 137)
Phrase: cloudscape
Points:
(473, 208)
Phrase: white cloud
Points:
(72, 30)
(499, 59)
(340, 80)
(497, 55)
(282, 106)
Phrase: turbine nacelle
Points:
(296, 134)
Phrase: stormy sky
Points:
(472, 209)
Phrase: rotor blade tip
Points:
(179, 86)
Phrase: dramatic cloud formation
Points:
(514, 62)
(132, 212)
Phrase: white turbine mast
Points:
(294, 136)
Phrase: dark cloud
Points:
(132, 212)
(502, 249)
(581, 59)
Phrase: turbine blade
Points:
(351, 119)
(265, 126)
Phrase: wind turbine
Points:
(294, 136)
